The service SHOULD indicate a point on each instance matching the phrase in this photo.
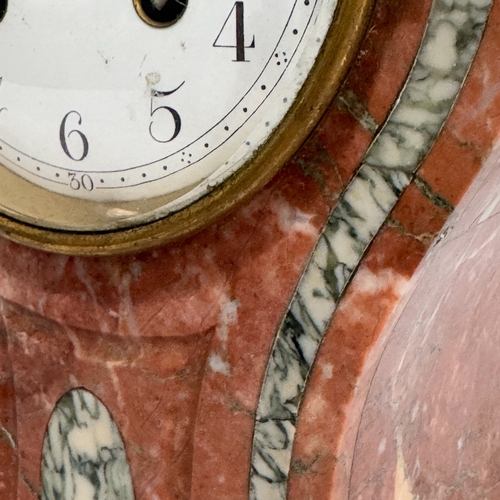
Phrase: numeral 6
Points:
(63, 136)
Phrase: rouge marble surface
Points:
(428, 427)
(178, 343)
(150, 386)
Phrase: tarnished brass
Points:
(28, 203)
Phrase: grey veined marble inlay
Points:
(450, 42)
(83, 453)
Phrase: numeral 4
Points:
(239, 14)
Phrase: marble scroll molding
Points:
(452, 37)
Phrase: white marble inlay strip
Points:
(452, 37)
(83, 455)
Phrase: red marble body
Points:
(175, 341)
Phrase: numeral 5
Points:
(172, 112)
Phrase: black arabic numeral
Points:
(239, 12)
(63, 136)
(74, 183)
(87, 182)
(84, 181)
(173, 113)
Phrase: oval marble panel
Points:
(83, 453)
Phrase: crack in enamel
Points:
(83, 454)
(452, 36)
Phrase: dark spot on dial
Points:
(3, 8)
(160, 13)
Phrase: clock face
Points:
(119, 113)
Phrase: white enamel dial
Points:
(125, 124)
(98, 104)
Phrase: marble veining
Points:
(450, 42)
(83, 454)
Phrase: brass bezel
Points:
(323, 82)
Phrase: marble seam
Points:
(448, 47)
(438, 200)
(356, 109)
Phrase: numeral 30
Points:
(77, 182)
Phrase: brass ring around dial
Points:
(331, 66)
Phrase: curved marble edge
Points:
(450, 42)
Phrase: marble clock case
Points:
(233, 364)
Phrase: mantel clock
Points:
(128, 123)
